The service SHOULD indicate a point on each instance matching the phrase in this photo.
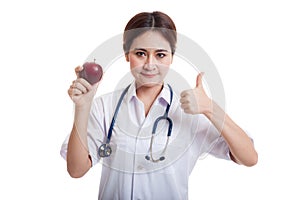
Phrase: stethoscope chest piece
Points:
(104, 150)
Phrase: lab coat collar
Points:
(163, 96)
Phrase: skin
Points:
(150, 58)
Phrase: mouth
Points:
(148, 75)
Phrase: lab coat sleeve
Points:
(96, 129)
(64, 147)
(210, 141)
(219, 147)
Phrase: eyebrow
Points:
(156, 50)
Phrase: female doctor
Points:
(147, 137)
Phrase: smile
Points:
(148, 75)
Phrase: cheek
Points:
(135, 66)
(163, 70)
(134, 62)
(170, 60)
(166, 63)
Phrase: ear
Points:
(127, 57)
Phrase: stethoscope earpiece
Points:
(162, 158)
(147, 157)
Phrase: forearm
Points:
(240, 145)
(78, 161)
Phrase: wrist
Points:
(83, 107)
(209, 109)
(82, 112)
(208, 112)
(216, 115)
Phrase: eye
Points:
(140, 53)
(161, 55)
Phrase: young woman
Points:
(147, 137)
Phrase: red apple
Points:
(92, 72)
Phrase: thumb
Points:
(199, 80)
(77, 70)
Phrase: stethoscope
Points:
(105, 149)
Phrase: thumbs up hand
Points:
(195, 101)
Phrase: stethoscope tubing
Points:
(105, 149)
(115, 115)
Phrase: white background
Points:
(255, 46)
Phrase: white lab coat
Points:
(126, 174)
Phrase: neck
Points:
(148, 94)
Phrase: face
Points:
(150, 58)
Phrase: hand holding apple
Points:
(83, 89)
(92, 72)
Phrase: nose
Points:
(150, 59)
(150, 62)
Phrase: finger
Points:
(70, 91)
(77, 70)
(184, 100)
(79, 86)
(187, 110)
(84, 83)
(74, 92)
(184, 106)
(199, 80)
(184, 93)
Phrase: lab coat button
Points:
(140, 167)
